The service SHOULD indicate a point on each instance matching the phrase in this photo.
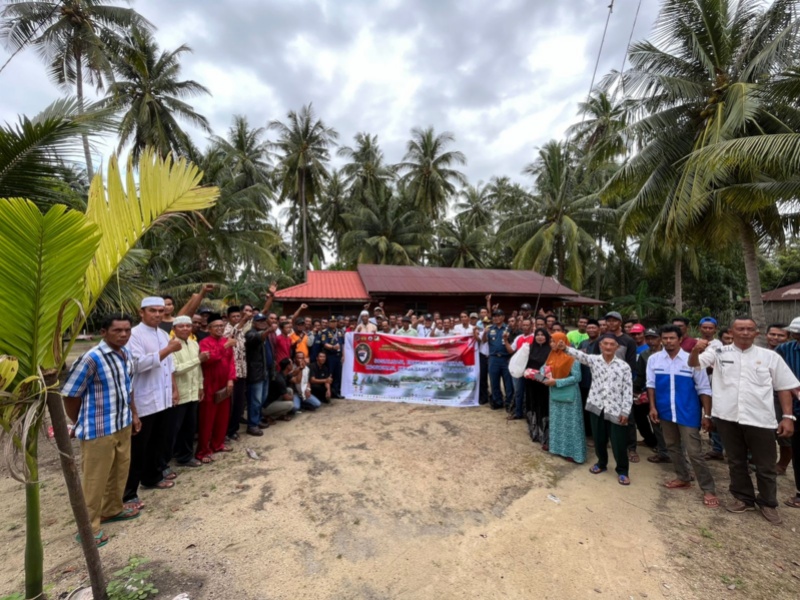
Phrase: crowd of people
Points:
(177, 389)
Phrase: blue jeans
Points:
(716, 442)
(310, 403)
(256, 398)
(498, 367)
(519, 397)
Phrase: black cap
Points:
(406, 318)
(525, 306)
(498, 313)
(260, 317)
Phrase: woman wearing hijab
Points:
(566, 412)
(537, 397)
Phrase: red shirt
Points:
(283, 348)
(219, 369)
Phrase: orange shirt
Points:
(302, 346)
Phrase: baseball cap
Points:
(638, 328)
(614, 315)
(473, 315)
(498, 313)
(260, 317)
(651, 333)
(708, 320)
(525, 306)
(406, 318)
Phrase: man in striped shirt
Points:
(98, 399)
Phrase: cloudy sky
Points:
(504, 76)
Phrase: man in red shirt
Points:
(283, 343)
(687, 341)
(219, 373)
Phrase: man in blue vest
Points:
(332, 340)
(496, 335)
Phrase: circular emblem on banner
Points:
(363, 353)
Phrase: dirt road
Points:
(385, 501)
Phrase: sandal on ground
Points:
(234, 437)
(677, 484)
(711, 501)
(194, 463)
(134, 503)
(225, 448)
(657, 458)
(126, 514)
(633, 457)
(513, 417)
(597, 469)
(170, 475)
(794, 501)
(161, 485)
(206, 460)
(100, 539)
(286, 418)
(623, 480)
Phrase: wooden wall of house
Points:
(781, 312)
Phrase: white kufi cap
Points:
(152, 301)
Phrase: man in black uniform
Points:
(332, 341)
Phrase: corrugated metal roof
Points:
(787, 293)
(583, 301)
(327, 285)
(387, 279)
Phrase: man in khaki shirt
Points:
(189, 381)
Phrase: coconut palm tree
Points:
(148, 91)
(461, 245)
(554, 231)
(75, 38)
(55, 267)
(365, 170)
(429, 171)
(601, 133)
(36, 153)
(717, 76)
(474, 207)
(303, 149)
(335, 204)
(385, 230)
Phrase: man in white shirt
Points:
(153, 391)
(464, 327)
(743, 412)
(424, 326)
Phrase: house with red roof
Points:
(425, 289)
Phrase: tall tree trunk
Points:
(34, 550)
(750, 253)
(598, 277)
(91, 554)
(304, 217)
(79, 83)
(678, 283)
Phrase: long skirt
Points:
(537, 411)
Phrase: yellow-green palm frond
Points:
(123, 216)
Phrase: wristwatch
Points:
(792, 417)
(706, 416)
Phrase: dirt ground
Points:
(384, 501)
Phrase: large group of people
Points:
(175, 389)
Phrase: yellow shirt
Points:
(188, 374)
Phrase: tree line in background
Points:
(675, 190)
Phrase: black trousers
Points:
(335, 365)
(759, 442)
(147, 454)
(171, 415)
(238, 402)
(183, 432)
(483, 380)
(587, 422)
(796, 457)
(640, 420)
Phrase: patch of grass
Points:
(706, 533)
(732, 580)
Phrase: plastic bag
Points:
(519, 361)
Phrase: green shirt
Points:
(575, 337)
(410, 332)
(188, 374)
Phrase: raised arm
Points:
(196, 300)
(270, 297)
(578, 355)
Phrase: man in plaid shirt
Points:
(97, 398)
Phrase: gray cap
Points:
(614, 315)
(650, 333)
(473, 315)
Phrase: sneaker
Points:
(770, 514)
(738, 507)
(254, 431)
